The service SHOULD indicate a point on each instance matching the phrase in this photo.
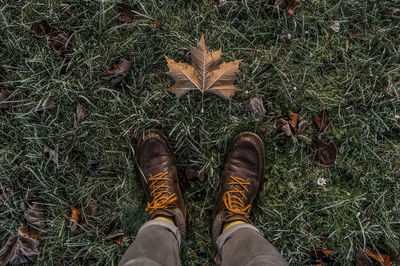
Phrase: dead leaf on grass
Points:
(19, 248)
(205, 74)
(321, 255)
(219, 5)
(395, 10)
(41, 28)
(120, 70)
(256, 105)
(158, 24)
(50, 155)
(115, 234)
(292, 128)
(60, 42)
(127, 13)
(382, 258)
(321, 121)
(195, 172)
(4, 94)
(353, 34)
(289, 5)
(91, 206)
(324, 152)
(34, 215)
(79, 115)
(117, 237)
(362, 259)
(74, 218)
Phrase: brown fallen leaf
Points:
(256, 105)
(321, 255)
(41, 28)
(120, 70)
(158, 24)
(195, 172)
(394, 10)
(91, 206)
(289, 5)
(114, 233)
(292, 128)
(79, 115)
(321, 121)
(4, 94)
(353, 34)
(74, 218)
(127, 13)
(69, 11)
(34, 215)
(265, 130)
(293, 119)
(382, 258)
(50, 155)
(205, 74)
(324, 152)
(19, 248)
(362, 259)
(60, 42)
(219, 5)
(117, 237)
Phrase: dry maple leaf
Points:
(128, 14)
(195, 172)
(41, 28)
(79, 116)
(289, 5)
(59, 41)
(50, 155)
(74, 218)
(382, 258)
(324, 152)
(91, 206)
(120, 70)
(19, 248)
(321, 255)
(362, 259)
(205, 74)
(293, 127)
(34, 215)
(4, 94)
(114, 233)
(257, 106)
(321, 121)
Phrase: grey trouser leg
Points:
(244, 245)
(157, 243)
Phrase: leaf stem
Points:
(202, 102)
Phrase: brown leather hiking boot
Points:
(159, 176)
(241, 181)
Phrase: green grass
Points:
(358, 208)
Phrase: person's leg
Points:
(244, 244)
(157, 243)
(237, 240)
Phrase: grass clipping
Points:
(205, 73)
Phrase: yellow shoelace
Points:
(161, 193)
(233, 199)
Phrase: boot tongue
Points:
(164, 212)
(236, 217)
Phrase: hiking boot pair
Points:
(241, 180)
